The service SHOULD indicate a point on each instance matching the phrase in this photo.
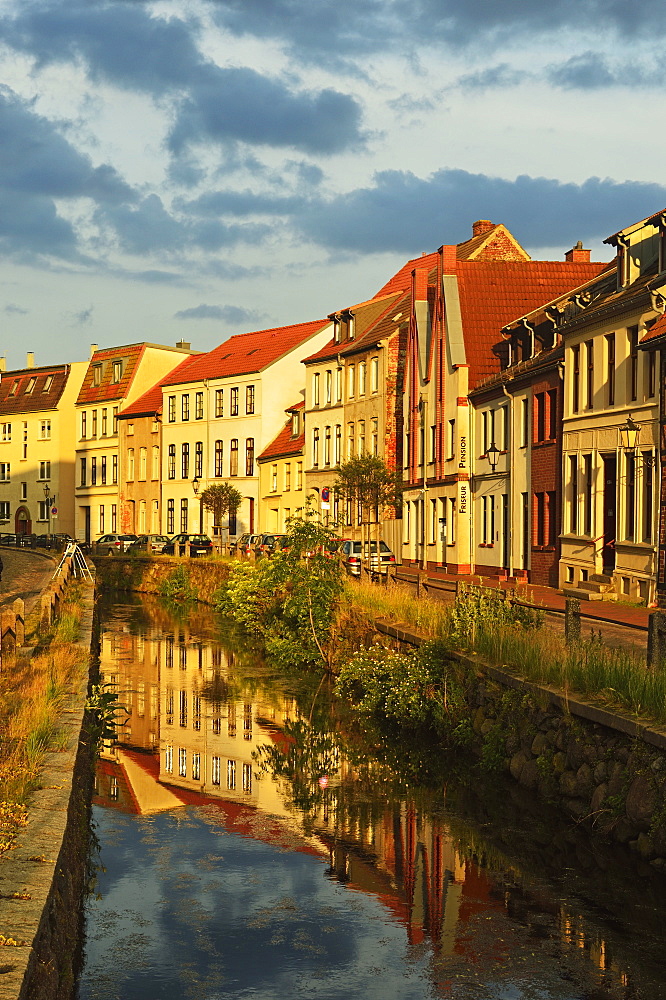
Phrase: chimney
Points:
(93, 349)
(482, 226)
(183, 345)
(3, 364)
(577, 255)
(30, 359)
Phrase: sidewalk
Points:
(25, 575)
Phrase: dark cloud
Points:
(244, 203)
(232, 315)
(156, 277)
(84, 317)
(13, 310)
(493, 78)
(592, 71)
(407, 214)
(123, 44)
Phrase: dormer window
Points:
(350, 328)
(30, 386)
(117, 371)
(97, 375)
(48, 382)
(295, 424)
(337, 333)
(14, 388)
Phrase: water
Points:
(337, 868)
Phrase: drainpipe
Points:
(509, 492)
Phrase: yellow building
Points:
(221, 413)
(37, 433)
(281, 492)
(115, 377)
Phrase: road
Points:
(25, 575)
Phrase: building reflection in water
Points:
(191, 737)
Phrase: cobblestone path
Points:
(25, 575)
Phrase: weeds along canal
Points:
(253, 840)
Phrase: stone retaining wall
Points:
(42, 878)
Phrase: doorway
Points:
(610, 513)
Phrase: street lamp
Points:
(48, 500)
(630, 434)
(493, 454)
(196, 486)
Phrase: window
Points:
(24, 491)
(350, 440)
(219, 402)
(233, 457)
(552, 413)
(573, 493)
(4, 472)
(589, 377)
(30, 386)
(575, 387)
(249, 456)
(185, 461)
(117, 371)
(185, 406)
(247, 777)
(315, 389)
(130, 463)
(315, 447)
(374, 375)
(361, 378)
(115, 419)
(361, 437)
(299, 475)
(233, 402)
(231, 775)
(44, 470)
(287, 476)
(329, 387)
(219, 456)
(170, 519)
(84, 425)
(43, 511)
(171, 462)
(182, 706)
(171, 409)
(105, 417)
(114, 469)
(249, 399)
(183, 515)
(114, 517)
(48, 382)
(648, 495)
(156, 464)
(587, 512)
(198, 459)
(5, 432)
(198, 406)
(102, 529)
(540, 415)
(630, 498)
(632, 336)
(14, 388)
(351, 381)
(168, 760)
(4, 510)
(130, 427)
(274, 478)
(374, 436)
(82, 469)
(338, 444)
(93, 471)
(143, 464)
(338, 385)
(103, 470)
(524, 421)
(97, 375)
(196, 767)
(652, 374)
(327, 446)
(610, 368)
(540, 514)
(215, 771)
(44, 430)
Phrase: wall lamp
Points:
(630, 434)
(493, 454)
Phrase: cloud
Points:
(493, 78)
(408, 214)
(244, 203)
(84, 317)
(232, 315)
(593, 71)
(126, 46)
(13, 310)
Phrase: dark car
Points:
(200, 545)
(149, 543)
(354, 554)
(266, 545)
(236, 544)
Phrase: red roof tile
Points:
(284, 444)
(493, 293)
(403, 278)
(246, 353)
(658, 329)
(107, 389)
(13, 386)
(151, 401)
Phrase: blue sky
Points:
(189, 170)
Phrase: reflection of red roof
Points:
(246, 353)
(151, 401)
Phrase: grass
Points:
(617, 678)
(32, 694)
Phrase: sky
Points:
(192, 169)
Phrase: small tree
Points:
(370, 483)
(221, 500)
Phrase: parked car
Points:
(8, 539)
(236, 543)
(266, 545)
(149, 543)
(200, 545)
(355, 554)
(246, 544)
(113, 544)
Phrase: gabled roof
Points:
(366, 316)
(45, 391)
(151, 401)
(403, 278)
(396, 313)
(246, 353)
(496, 243)
(285, 444)
(656, 331)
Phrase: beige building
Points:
(115, 377)
(219, 416)
(609, 538)
(281, 482)
(37, 433)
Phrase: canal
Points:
(249, 840)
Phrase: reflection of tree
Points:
(307, 754)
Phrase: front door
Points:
(610, 513)
(22, 522)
